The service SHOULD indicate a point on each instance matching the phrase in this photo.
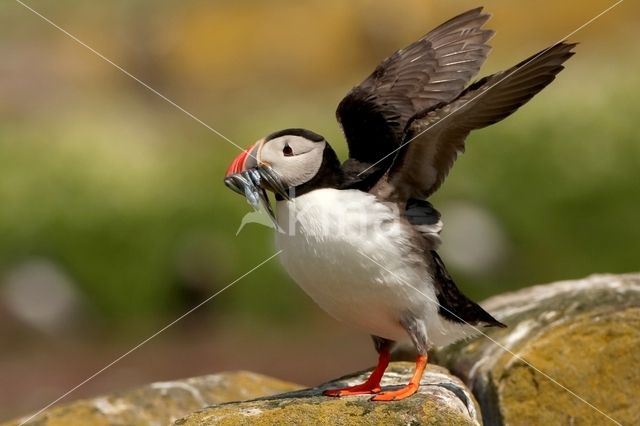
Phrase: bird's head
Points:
(279, 162)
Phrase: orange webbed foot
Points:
(371, 386)
(361, 389)
(398, 394)
(410, 389)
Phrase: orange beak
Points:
(249, 177)
(245, 160)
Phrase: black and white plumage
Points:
(359, 237)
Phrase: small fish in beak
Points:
(248, 177)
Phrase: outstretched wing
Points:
(433, 70)
(434, 139)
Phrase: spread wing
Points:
(433, 70)
(434, 139)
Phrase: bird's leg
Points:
(372, 385)
(408, 390)
(417, 331)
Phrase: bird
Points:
(360, 237)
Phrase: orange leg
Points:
(372, 385)
(410, 389)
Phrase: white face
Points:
(295, 159)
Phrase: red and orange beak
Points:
(248, 176)
(246, 160)
(239, 174)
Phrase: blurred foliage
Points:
(124, 191)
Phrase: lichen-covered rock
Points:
(570, 356)
(160, 403)
(442, 400)
(578, 359)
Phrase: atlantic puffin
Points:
(360, 237)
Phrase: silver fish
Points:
(249, 184)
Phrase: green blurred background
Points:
(114, 219)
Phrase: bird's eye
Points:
(287, 151)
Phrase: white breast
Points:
(329, 236)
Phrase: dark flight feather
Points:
(436, 137)
(432, 70)
(455, 306)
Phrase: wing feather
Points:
(434, 69)
(434, 139)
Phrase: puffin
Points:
(360, 237)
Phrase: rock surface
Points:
(442, 400)
(581, 335)
(160, 403)
(570, 356)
